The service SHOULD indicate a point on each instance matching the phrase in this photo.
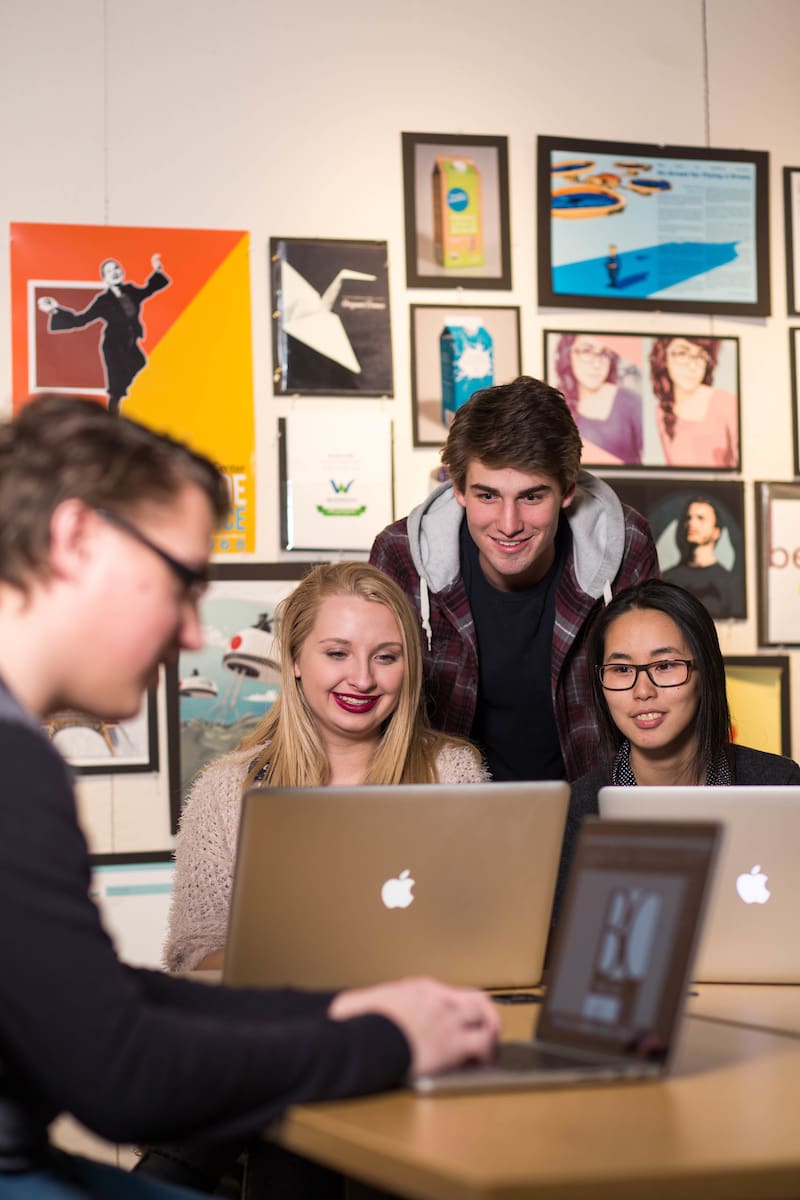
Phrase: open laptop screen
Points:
(626, 936)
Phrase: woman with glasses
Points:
(607, 413)
(658, 686)
(697, 423)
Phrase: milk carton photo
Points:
(467, 361)
(457, 212)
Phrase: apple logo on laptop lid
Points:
(752, 886)
(396, 893)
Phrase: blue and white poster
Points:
(658, 228)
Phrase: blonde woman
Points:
(349, 713)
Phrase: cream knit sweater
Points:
(206, 849)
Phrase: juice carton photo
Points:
(467, 360)
(457, 212)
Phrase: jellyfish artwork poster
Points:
(217, 695)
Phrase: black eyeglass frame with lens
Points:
(194, 580)
(622, 672)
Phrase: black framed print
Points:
(640, 226)
(218, 695)
(791, 224)
(456, 211)
(331, 328)
(794, 355)
(778, 541)
(95, 747)
(457, 349)
(698, 529)
(665, 400)
(758, 687)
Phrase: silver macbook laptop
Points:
(626, 937)
(343, 887)
(750, 933)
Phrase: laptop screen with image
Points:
(626, 937)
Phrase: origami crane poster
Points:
(155, 324)
(330, 309)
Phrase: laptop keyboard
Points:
(525, 1056)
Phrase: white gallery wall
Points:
(285, 120)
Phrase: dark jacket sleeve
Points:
(133, 1056)
(754, 767)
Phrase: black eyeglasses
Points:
(191, 578)
(667, 672)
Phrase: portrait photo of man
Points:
(699, 534)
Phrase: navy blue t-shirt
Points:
(514, 722)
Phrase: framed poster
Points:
(95, 747)
(665, 228)
(133, 893)
(778, 540)
(791, 218)
(336, 480)
(218, 695)
(456, 211)
(698, 528)
(331, 332)
(155, 324)
(455, 350)
(758, 689)
(794, 354)
(650, 400)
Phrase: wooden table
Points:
(726, 1123)
(760, 1006)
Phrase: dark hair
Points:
(525, 425)
(659, 375)
(63, 447)
(713, 720)
(566, 375)
(680, 536)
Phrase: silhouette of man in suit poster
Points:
(119, 306)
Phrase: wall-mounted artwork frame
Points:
(683, 515)
(336, 480)
(217, 695)
(759, 693)
(491, 355)
(791, 224)
(95, 747)
(456, 211)
(331, 325)
(794, 355)
(664, 228)
(133, 893)
(778, 543)
(625, 392)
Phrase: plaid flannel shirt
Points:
(451, 662)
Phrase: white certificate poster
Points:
(336, 480)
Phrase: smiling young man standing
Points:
(507, 566)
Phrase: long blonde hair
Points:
(289, 748)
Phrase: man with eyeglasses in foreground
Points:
(105, 531)
(508, 565)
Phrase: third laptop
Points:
(750, 933)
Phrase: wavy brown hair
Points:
(659, 374)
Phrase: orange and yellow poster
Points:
(154, 323)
